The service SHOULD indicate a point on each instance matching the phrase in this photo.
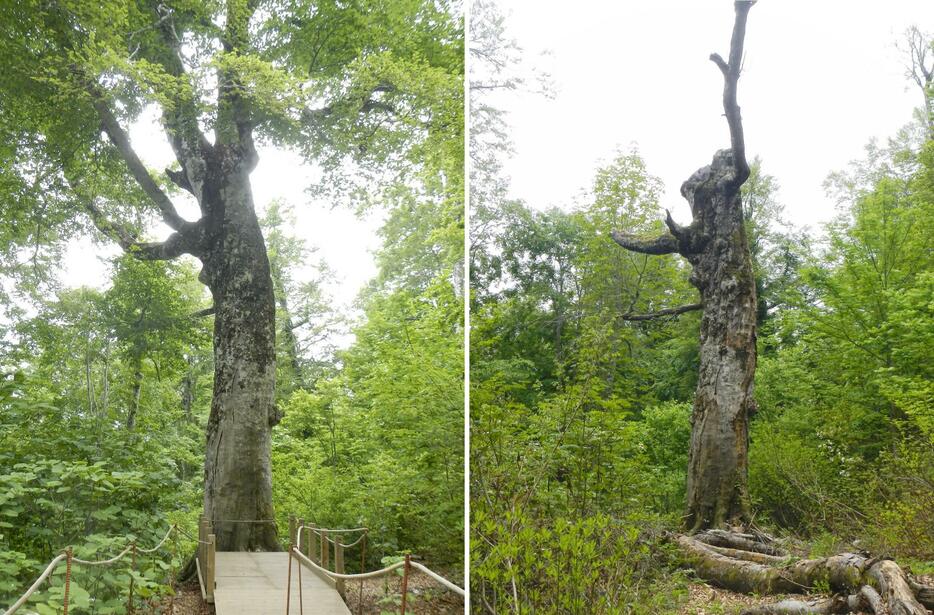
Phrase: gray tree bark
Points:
(237, 470)
(715, 244)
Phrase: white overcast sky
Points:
(820, 79)
(344, 240)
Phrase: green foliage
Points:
(568, 427)
(843, 443)
(578, 413)
(592, 565)
(54, 497)
(380, 444)
(72, 472)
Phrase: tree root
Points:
(748, 563)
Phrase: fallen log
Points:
(862, 583)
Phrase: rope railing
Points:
(70, 559)
(205, 561)
(338, 576)
(354, 543)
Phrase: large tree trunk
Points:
(237, 471)
(716, 246)
(717, 466)
(228, 241)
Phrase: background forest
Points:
(105, 391)
(580, 413)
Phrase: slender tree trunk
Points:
(238, 477)
(188, 389)
(288, 327)
(137, 392)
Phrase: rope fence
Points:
(205, 562)
(338, 576)
(69, 558)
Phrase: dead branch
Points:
(731, 72)
(664, 244)
(666, 312)
(877, 585)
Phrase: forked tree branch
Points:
(122, 142)
(181, 120)
(173, 247)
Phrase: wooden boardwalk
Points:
(255, 584)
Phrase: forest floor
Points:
(705, 599)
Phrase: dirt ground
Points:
(384, 596)
(186, 601)
(706, 600)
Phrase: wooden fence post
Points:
(312, 542)
(291, 530)
(209, 575)
(202, 539)
(298, 531)
(405, 581)
(339, 563)
(325, 550)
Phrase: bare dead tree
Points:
(716, 246)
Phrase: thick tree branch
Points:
(180, 179)
(205, 312)
(731, 72)
(234, 124)
(666, 312)
(120, 139)
(173, 247)
(664, 244)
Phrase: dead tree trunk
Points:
(715, 244)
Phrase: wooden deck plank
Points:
(255, 584)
